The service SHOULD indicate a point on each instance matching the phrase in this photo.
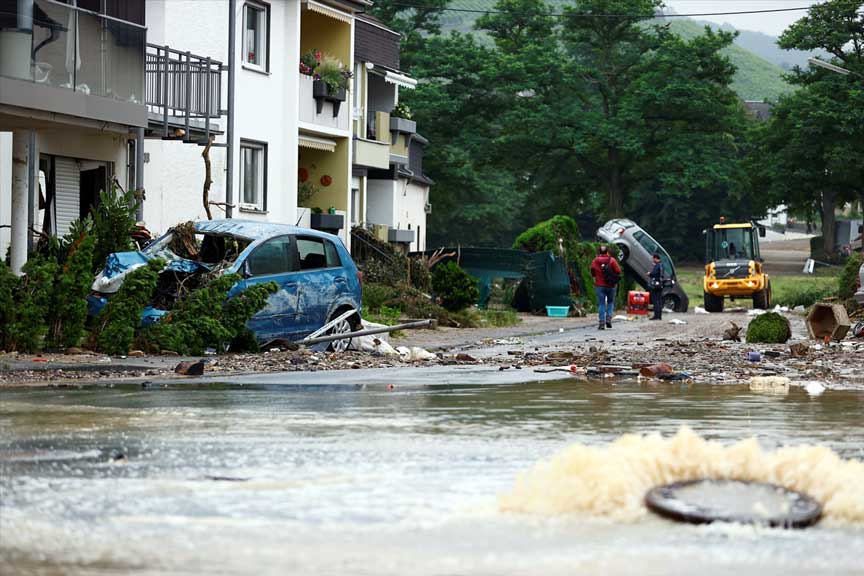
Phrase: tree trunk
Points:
(615, 200)
(208, 181)
(829, 205)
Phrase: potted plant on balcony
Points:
(331, 83)
(400, 120)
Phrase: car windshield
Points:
(653, 247)
(733, 244)
(205, 248)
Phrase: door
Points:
(322, 280)
(92, 183)
(273, 261)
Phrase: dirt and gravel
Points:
(691, 344)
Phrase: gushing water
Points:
(611, 481)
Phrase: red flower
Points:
(303, 174)
(318, 55)
(326, 180)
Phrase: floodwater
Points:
(413, 479)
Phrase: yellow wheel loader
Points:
(733, 266)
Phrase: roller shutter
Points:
(67, 186)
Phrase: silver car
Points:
(635, 250)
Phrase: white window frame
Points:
(260, 204)
(264, 10)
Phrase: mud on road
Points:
(691, 344)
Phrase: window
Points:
(256, 35)
(333, 260)
(653, 248)
(272, 257)
(317, 253)
(253, 176)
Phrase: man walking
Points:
(606, 273)
(655, 283)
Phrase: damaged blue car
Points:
(316, 277)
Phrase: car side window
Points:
(333, 260)
(312, 253)
(271, 257)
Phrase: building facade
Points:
(98, 92)
(390, 193)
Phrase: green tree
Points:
(811, 154)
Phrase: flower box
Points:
(403, 125)
(321, 93)
(331, 223)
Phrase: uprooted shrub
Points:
(848, 281)
(207, 318)
(121, 318)
(558, 231)
(769, 328)
(454, 286)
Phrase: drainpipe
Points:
(139, 173)
(32, 183)
(232, 61)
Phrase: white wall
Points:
(398, 204)
(5, 190)
(380, 201)
(265, 110)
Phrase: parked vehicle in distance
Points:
(316, 277)
(859, 295)
(635, 249)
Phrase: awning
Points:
(328, 11)
(316, 143)
(400, 80)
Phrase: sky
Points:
(772, 24)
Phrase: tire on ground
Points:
(353, 323)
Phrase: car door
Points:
(273, 261)
(322, 279)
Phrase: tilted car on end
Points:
(317, 279)
(635, 249)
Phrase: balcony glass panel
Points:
(73, 49)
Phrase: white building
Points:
(94, 92)
(389, 190)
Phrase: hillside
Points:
(755, 79)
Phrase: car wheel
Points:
(623, 253)
(342, 327)
(670, 303)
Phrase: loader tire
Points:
(713, 303)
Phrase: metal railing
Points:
(183, 85)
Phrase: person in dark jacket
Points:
(655, 283)
(606, 272)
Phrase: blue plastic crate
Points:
(557, 311)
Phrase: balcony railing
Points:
(182, 85)
(70, 48)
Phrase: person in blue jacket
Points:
(655, 284)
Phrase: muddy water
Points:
(414, 480)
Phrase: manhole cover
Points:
(706, 501)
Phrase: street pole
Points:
(232, 61)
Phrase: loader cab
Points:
(735, 242)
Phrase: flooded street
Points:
(278, 478)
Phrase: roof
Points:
(757, 109)
(253, 229)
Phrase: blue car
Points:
(318, 281)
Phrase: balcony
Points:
(66, 60)
(371, 153)
(183, 90)
(323, 112)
